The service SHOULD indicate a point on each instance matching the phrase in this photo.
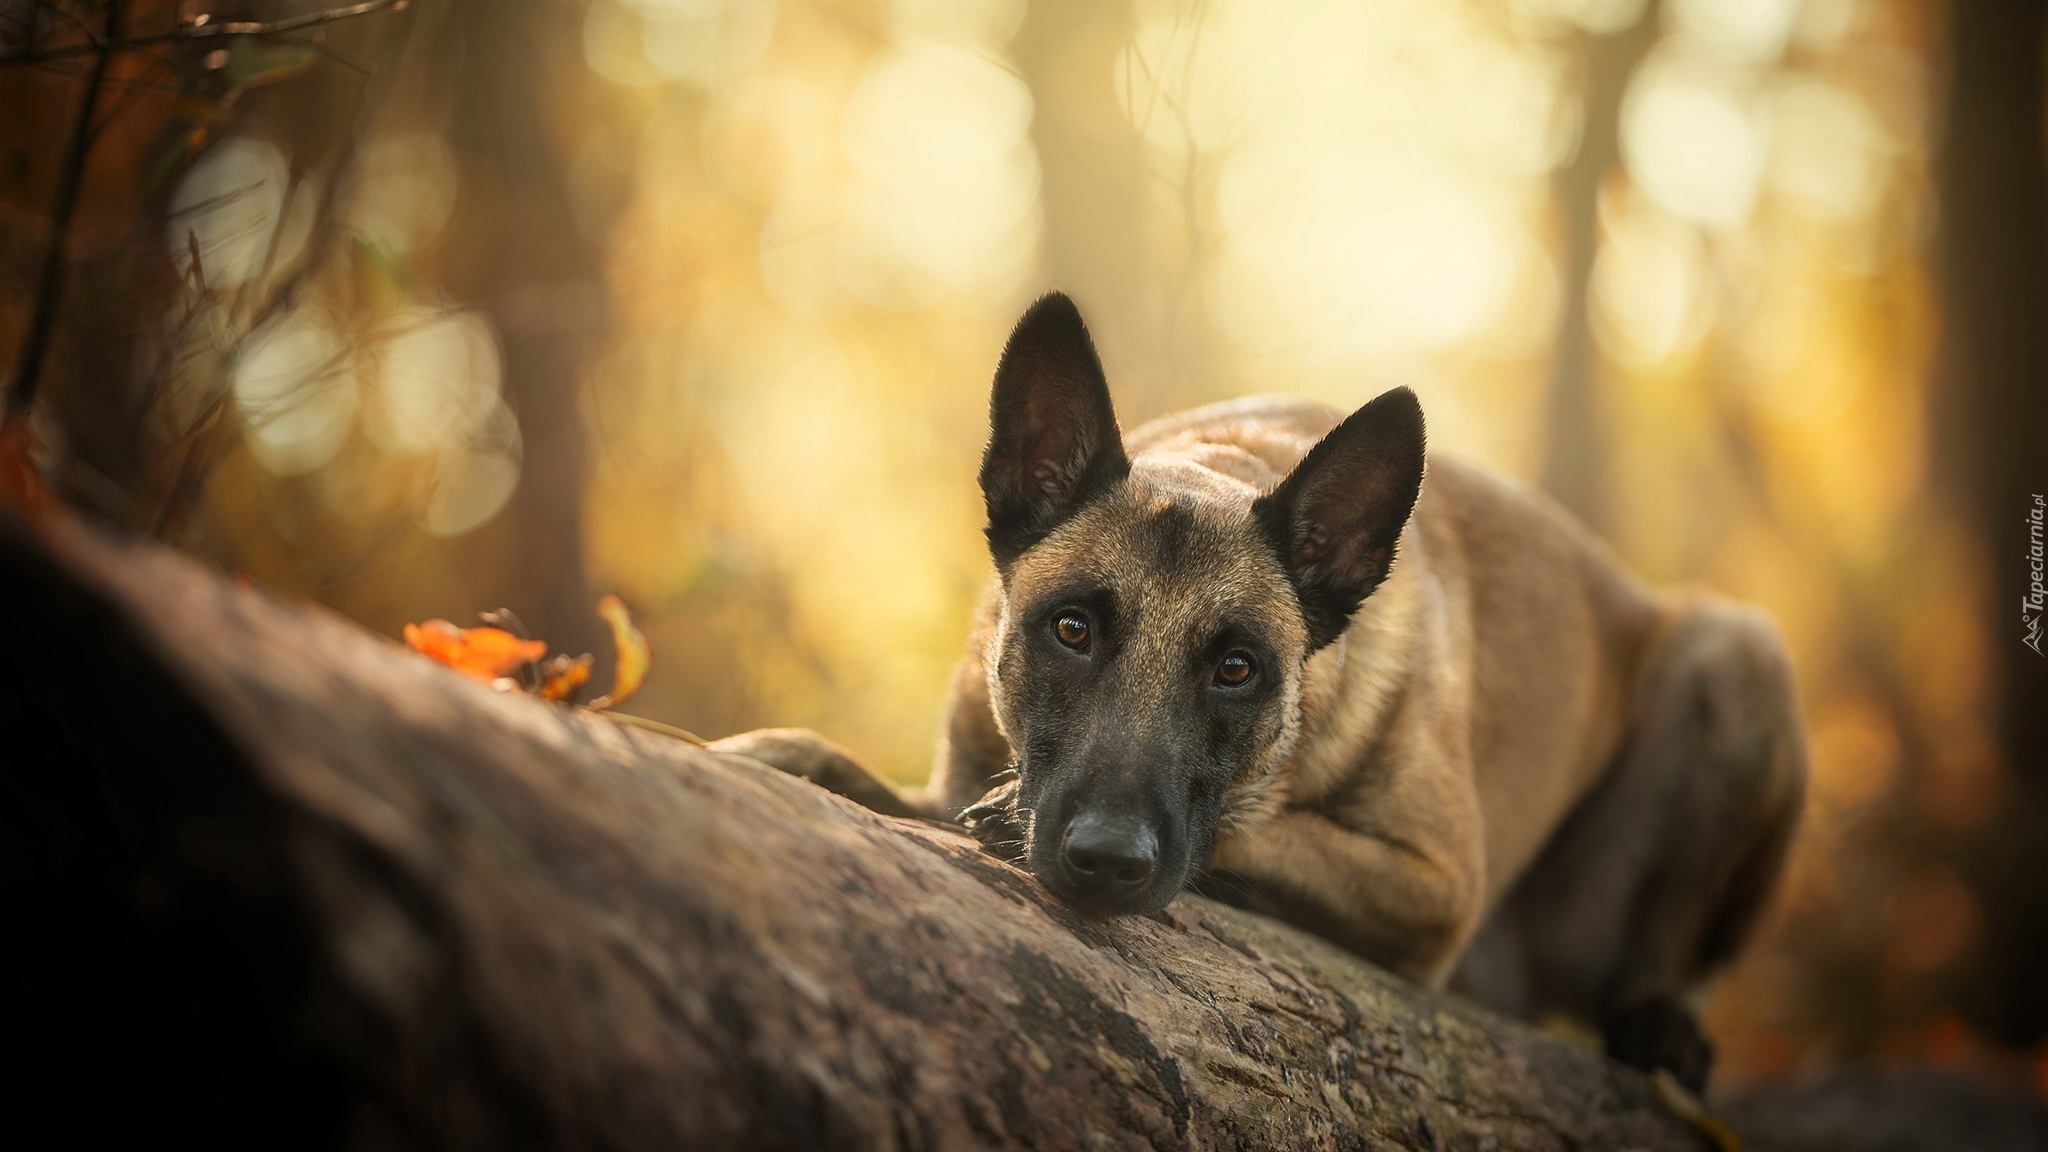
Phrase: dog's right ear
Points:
(1053, 442)
(1335, 520)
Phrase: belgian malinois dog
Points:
(1278, 652)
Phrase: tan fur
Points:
(1475, 698)
(1490, 689)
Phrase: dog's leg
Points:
(971, 754)
(802, 752)
(1393, 901)
(1394, 870)
(972, 751)
(1660, 874)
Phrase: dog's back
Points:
(1545, 630)
(1636, 759)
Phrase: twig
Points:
(173, 349)
(187, 477)
(50, 290)
(348, 60)
(212, 202)
(198, 269)
(74, 70)
(194, 32)
(656, 726)
(191, 472)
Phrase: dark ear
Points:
(1053, 443)
(1336, 518)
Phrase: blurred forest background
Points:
(424, 309)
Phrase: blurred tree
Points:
(1573, 460)
(70, 173)
(1992, 410)
(519, 255)
(1094, 183)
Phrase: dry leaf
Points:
(1682, 1103)
(492, 655)
(483, 654)
(634, 653)
(563, 678)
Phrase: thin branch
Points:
(285, 294)
(124, 97)
(73, 70)
(188, 476)
(174, 349)
(212, 202)
(348, 60)
(64, 13)
(50, 290)
(197, 32)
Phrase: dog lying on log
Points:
(1266, 649)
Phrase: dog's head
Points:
(1156, 621)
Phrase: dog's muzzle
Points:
(1107, 860)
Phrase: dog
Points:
(1278, 653)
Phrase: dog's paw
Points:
(994, 821)
(801, 752)
(1658, 1033)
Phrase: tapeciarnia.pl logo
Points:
(2037, 597)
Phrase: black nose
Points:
(1110, 854)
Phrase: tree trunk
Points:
(539, 278)
(1576, 454)
(280, 881)
(1140, 293)
(1992, 407)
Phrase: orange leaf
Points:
(562, 678)
(635, 654)
(483, 654)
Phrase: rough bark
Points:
(279, 880)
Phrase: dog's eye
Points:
(1235, 669)
(1072, 630)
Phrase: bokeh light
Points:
(437, 380)
(405, 188)
(1696, 137)
(295, 393)
(226, 210)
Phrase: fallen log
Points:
(277, 880)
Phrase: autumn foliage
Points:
(486, 654)
(510, 662)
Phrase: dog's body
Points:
(1499, 757)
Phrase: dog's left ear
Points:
(1335, 519)
(1053, 442)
